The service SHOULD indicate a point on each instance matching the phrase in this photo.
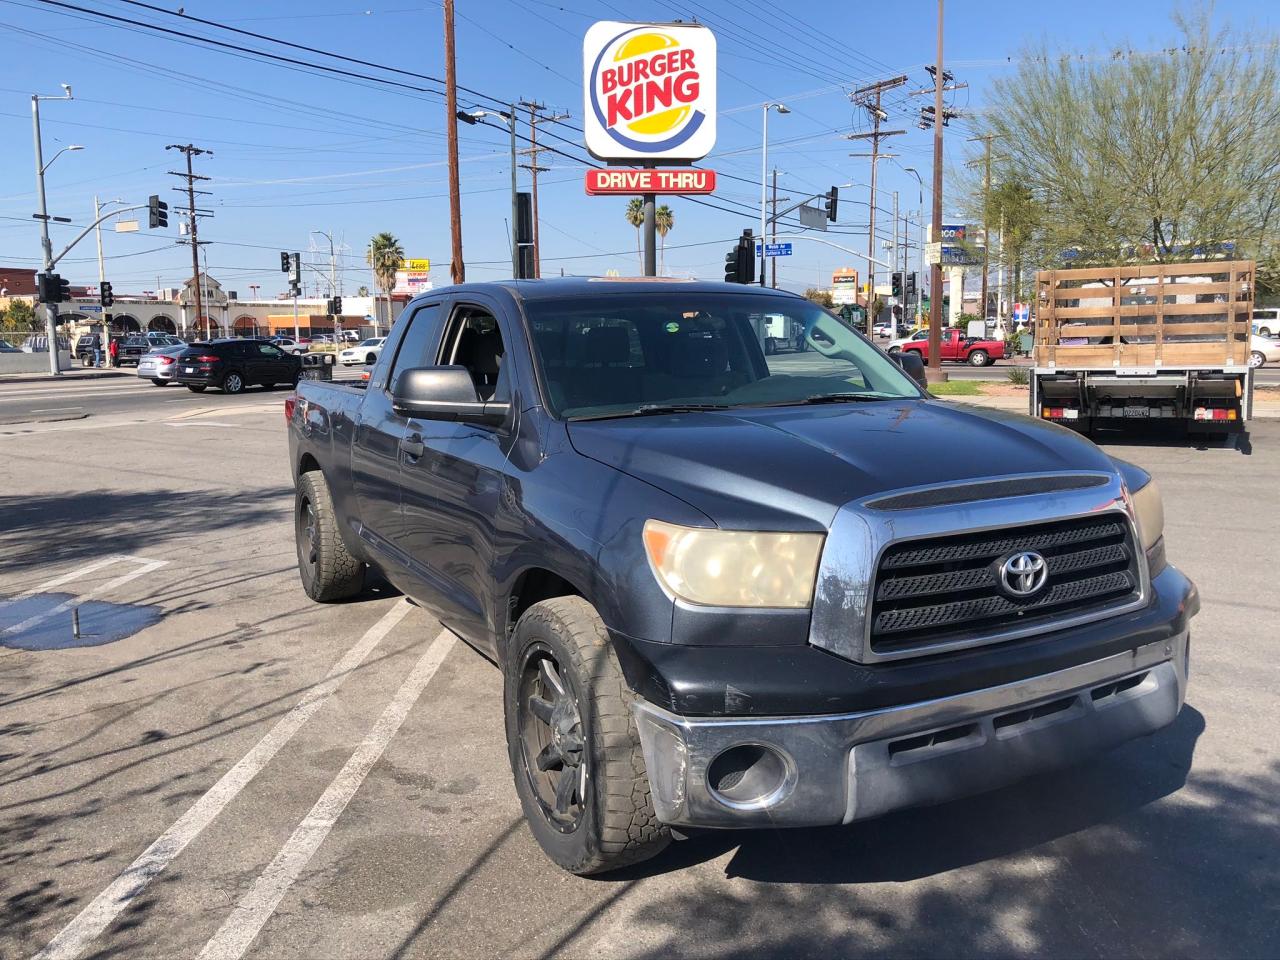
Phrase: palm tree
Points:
(385, 256)
(635, 217)
(664, 221)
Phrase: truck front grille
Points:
(947, 588)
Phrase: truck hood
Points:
(791, 468)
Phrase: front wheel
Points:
(1264, 332)
(370, 360)
(894, 351)
(1257, 359)
(979, 358)
(197, 387)
(158, 382)
(572, 740)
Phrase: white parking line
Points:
(77, 935)
(120, 581)
(76, 574)
(54, 409)
(238, 932)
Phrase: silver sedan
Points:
(158, 365)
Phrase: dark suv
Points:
(234, 364)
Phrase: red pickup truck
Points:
(956, 346)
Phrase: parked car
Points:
(883, 329)
(39, 343)
(897, 344)
(132, 348)
(1266, 321)
(86, 343)
(233, 364)
(957, 348)
(289, 345)
(7, 347)
(365, 352)
(349, 336)
(1263, 350)
(732, 590)
(160, 364)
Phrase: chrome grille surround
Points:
(860, 534)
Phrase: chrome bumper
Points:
(836, 769)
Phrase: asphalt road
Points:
(252, 774)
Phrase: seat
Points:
(604, 375)
(481, 354)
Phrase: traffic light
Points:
(51, 288)
(337, 306)
(897, 283)
(284, 262)
(157, 212)
(832, 199)
(740, 262)
(911, 285)
(295, 289)
(105, 296)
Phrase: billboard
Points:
(420, 265)
(649, 91)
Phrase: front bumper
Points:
(837, 769)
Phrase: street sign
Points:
(774, 250)
(813, 218)
(126, 226)
(616, 181)
(948, 255)
(844, 294)
(649, 91)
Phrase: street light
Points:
(919, 180)
(475, 116)
(74, 146)
(50, 309)
(764, 172)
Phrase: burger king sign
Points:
(650, 91)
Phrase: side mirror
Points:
(444, 393)
(913, 366)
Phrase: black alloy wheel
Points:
(552, 741)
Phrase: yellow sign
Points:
(415, 266)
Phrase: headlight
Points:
(1149, 509)
(731, 568)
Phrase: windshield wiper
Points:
(656, 409)
(844, 397)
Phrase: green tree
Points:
(635, 217)
(664, 221)
(821, 297)
(385, 254)
(362, 291)
(1129, 155)
(19, 315)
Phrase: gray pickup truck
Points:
(731, 588)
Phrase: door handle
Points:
(412, 446)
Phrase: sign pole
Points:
(650, 235)
(297, 335)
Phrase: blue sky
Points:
(295, 152)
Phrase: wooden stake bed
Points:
(1156, 316)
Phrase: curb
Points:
(50, 378)
(19, 421)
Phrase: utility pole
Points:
(536, 117)
(869, 98)
(986, 229)
(937, 115)
(191, 151)
(457, 269)
(902, 277)
(515, 247)
(773, 221)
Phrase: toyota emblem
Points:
(1023, 574)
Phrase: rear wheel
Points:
(1264, 331)
(979, 358)
(197, 387)
(370, 360)
(328, 569)
(573, 744)
(158, 382)
(1257, 359)
(233, 382)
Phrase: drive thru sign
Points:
(620, 181)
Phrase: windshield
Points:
(618, 355)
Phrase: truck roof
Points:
(559, 288)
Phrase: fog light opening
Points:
(750, 775)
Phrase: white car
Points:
(883, 329)
(896, 345)
(366, 352)
(1266, 321)
(1263, 350)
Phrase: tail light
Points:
(289, 403)
(164, 360)
(208, 359)
(364, 375)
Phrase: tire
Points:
(1257, 359)
(328, 570)
(560, 657)
(979, 358)
(158, 382)
(894, 351)
(370, 360)
(197, 387)
(1264, 331)
(233, 382)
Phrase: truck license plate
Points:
(1137, 411)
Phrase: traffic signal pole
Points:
(935, 373)
(50, 309)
